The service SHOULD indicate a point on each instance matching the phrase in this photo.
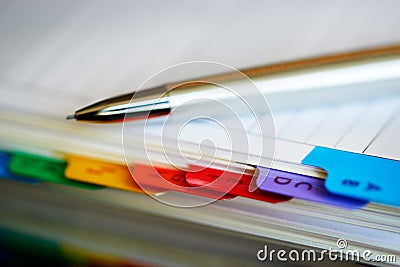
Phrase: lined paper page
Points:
(328, 133)
(304, 123)
(59, 57)
(387, 142)
(365, 129)
(283, 120)
(371, 127)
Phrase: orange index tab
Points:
(101, 173)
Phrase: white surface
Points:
(94, 49)
(366, 128)
(328, 132)
(387, 143)
(304, 123)
(57, 56)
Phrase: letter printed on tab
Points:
(302, 187)
(358, 175)
(236, 183)
(101, 173)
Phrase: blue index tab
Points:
(5, 173)
(358, 175)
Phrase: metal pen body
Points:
(296, 77)
(135, 105)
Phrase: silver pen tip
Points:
(70, 117)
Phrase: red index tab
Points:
(172, 179)
(222, 180)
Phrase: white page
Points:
(57, 58)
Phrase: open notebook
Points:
(310, 126)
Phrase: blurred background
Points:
(93, 49)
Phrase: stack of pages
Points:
(331, 184)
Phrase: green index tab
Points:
(43, 168)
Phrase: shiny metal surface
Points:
(141, 104)
(284, 77)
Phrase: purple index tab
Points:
(302, 187)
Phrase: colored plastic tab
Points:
(5, 173)
(235, 183)
(102, 173)
(302, 187)
(43, 168)
(357, 175)
(172, 179)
